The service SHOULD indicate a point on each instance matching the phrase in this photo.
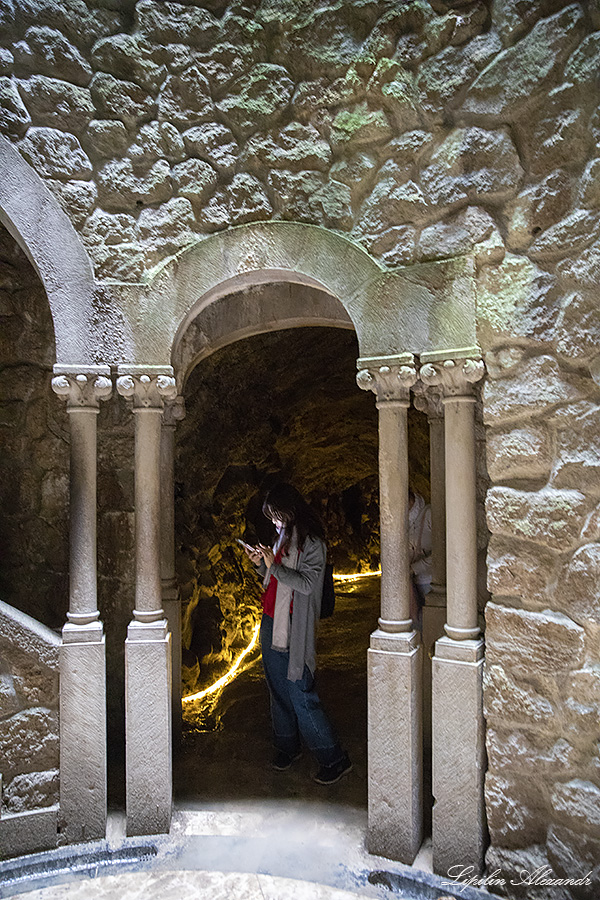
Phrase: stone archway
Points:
(34, 218)
(427, 311)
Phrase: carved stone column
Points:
(429, 400)
(394, 656)
(148, 732)
(458, 725)
(82, 656)
(174, 412)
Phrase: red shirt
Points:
(268, 597)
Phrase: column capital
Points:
(82, 386)
(389, 377)
(147, 386)
(428, 399)
(456, 377)
(174, 411)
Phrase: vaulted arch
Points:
(32, 215)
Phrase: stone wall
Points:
(28, 713)
(423, 130)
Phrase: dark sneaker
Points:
(282, 761)
(331, 774)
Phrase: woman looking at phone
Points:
(293, 571)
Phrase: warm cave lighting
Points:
(356, 577)
(230, 674)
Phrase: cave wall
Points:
(282, 405)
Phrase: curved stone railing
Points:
(29, 736)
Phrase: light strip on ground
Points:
(230, 674)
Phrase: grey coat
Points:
(306, 581)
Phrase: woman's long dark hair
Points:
(285, 503)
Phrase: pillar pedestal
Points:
(83, 795)
(395, 746)
(458, 755)
(148, 716)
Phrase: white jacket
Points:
(419, 541)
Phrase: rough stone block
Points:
(121, 188)
(257, 99)
(215, 144)
(77, 198)
(576, 804)
(521, 74)
(516, 812)
(473, 165)
(520, 571)
(575, 855)
(515, 298)
(530, 754)
(550, 517)
(544, 643)
(579, 585)
(14, 118)
(48, 52)
(105, 138)
(157, 140)
(57, 104)
(457, 235)
(130, 58)
(536, 388)
(513, 866)
(29, 742)
(524, 452)
(33, 790)
(574, 232)
(537, 208)
(507, 700)
(578, 455)
(194, 180)
(55, 154)
(176, 24)
(578, 325)
(123, 100)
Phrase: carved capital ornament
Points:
(389, 380)
(82, 390)
(455, 377)
(147, 391)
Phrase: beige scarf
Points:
(283, 597)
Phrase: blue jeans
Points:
(296, 710)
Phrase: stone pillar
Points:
(429, 401)
(394, 657)
(82, 655)
(174, 411)
(458, 724)
(148, 732)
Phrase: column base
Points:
(434, 619)
(83, 793)
(172, 607)
(148, 728)
(395, 746)
(459, 828)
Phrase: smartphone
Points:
(246, 546)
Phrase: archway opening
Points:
(34, 473)
(282, 404)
